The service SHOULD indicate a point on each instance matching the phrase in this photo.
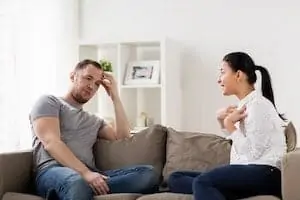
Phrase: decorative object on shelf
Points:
(106, 65)
(144, 120)
(141, 120)
(142, 73)
(149, 121)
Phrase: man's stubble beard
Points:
(77, 97)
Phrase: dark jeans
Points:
(62, 183)
(228, 182)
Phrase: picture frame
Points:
(142, 73)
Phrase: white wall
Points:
(47, 43)
(269, 30)
(39, 47)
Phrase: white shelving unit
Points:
(162, 101)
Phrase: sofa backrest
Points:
(165, 149)
(16, 172)
(291, 137)
(169, 150)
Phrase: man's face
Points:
(86, 83)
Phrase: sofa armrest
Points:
(15, 171)
(290, 178)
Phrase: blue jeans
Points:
(228, 182)
(62, 183)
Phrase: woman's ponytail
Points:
(266, 85)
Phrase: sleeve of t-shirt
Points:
(102, 123)
(45, 106)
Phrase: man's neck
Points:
(71, 100)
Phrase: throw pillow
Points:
(146, 147)
(291, 137)
(195, 151)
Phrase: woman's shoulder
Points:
(262, 104)
(261, 107)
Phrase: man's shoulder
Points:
(45, 105)
(47, 98)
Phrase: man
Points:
(64, 135)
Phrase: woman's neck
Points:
(244, 92)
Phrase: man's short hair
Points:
(84, 63)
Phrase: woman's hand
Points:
(233, 117)
(223, 113)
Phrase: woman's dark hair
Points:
(243, 62)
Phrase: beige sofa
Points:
(164, 148)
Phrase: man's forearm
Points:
(62, 154)
(122, 125)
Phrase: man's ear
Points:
(72, 76)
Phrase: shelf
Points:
(135, 42)
(138, 129)
(140, 86)
(161, 101)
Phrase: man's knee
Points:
(149, 174)
(63, 182)
(149, 179)
(77, 188)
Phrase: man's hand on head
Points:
(110, 85)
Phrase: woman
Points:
(257, 133)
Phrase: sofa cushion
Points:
(166, 195)
(122, 196)
(20, 196)
(125, 196)
(144, 147)
(262, 198)
(195, 151)
(173, 196)
(291, 137)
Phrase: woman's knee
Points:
(202, 180)
(174, 178)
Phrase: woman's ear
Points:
(240, 76)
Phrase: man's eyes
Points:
(90, 78)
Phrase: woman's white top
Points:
(259, 138)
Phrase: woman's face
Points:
(227, 79)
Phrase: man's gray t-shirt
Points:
(78, 129)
